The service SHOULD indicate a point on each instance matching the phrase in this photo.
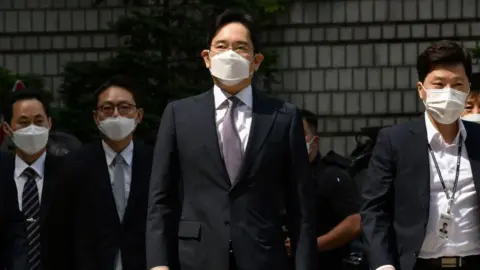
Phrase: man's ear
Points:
(206, 58)
(257, 60)
(421, 91)
(95, 118)
(139, 115)
(5, 128)
(50, 123)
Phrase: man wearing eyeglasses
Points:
(109, 185)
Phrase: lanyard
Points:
(454, 190)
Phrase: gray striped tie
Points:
(232, 145)
(31, 211)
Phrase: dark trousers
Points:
(233, 263)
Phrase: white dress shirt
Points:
(242, 114)
(38, 166)
(127, 155)
(464, 234)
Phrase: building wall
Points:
(40, 36)
(350, 61)
(353, 62)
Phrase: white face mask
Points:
(445, 105)
(31, 139)
(474, 117)
(117, 128)
(229, 67)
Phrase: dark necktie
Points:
(31, 211)
(232, 145)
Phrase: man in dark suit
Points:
(425, 173)
(13, 244)
(227, 163)
(109, 188)
(27, 122)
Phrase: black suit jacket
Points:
(95, 227)
(193, 209)
(396, 192)
(52, 256)
(13, 244)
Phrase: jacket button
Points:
(227, 224)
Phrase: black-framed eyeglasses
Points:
(124, 108)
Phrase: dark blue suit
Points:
(13, 244)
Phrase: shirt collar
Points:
(38, 166)
(433, 134)
(127, 153)
(246, 96)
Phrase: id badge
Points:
(444, 226)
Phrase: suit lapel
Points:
(420, 156)
(205, 118)
(9, 167)
(263, 116)
(102, 179)
(51, 163)
(472, 145)
(139, 174)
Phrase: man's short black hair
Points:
(310, 118)
(25, 94)
(475, 83)
(236, 16)
(445, 52)
(120, 81)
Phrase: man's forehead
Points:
(473, 99)
(449, 71)
(233, 32)
(306, 126)
(28, 106)
(115, 94)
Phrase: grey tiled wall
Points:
(353, 62)
(40, 36)
(350, 61)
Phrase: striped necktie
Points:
(232, 145)
(31, 211)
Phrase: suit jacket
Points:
(397, 192)
(95, 227)
(195, 215)
(13, 244)
(51, 255)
